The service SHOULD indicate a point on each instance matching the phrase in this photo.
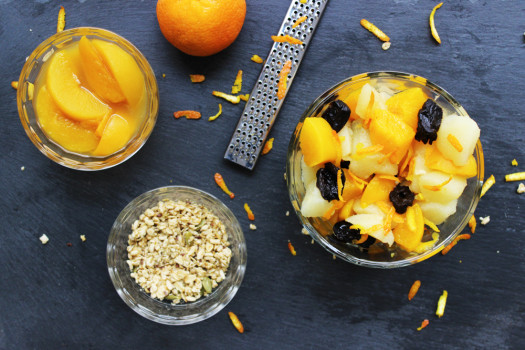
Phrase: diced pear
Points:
(308, 174)
(345, 135)
(314, 205)
(438, 212)
(367, 221)
(465, 130)
(445, 194)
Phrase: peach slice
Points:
(64, 131)
(115, 136)
(66, 89)
(98, 75)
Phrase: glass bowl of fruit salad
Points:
(87, 98)
(385, 169)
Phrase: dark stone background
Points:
(54, 296)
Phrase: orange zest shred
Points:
(438, 187)
(442, 302)
(435, 34)
(488, 184)
(423, 324)
(257, 59)
(454, 242)
(227, 97)
(370, 149)
(431, 225)
(472, 224)
(268, 146)
(249, 212)
(14, 85)
(370, 229)
(340, 185)
(286, 39)
(387, 224)
(197, 78)
(413, 290)
(291, 248)
(388, 177)
(455, 142)
(237, 85)
(61, 23)
(235, 321)
(213, 117)
(328, 214)
(513, 177)
(244, 97)
(283, 79)
(187, 114)
(220, 182)
(357, 180)
(362, 239)
(374, 30)
(299, 21)
(385, 208)
(514, 162)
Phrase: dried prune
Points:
(345, 164)
(402, 198)
(344, 233)
(327, 181)
(369, 241)
(428, 122)
(337, 114)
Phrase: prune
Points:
(337, 114)
(429, 121)
(402, 198)
(327, 181)
(369, 241)
(344, 233)
(345, 164)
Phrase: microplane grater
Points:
(263, 105)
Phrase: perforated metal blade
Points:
(263, 106)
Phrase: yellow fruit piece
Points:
(406, 238)
(351, 189)
(378, 189)
(351, 102)
(347, 210)
(318, 143)
(64, 131)
(434, 160)
(65, 86)
(125, 70)
(406, 105)
(115, 136)
(389, 130)
(97, 73)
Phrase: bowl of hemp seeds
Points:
(176, 255)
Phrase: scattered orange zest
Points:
(257, 59)
(362, 239)
(249, 212)
(213, 117)
(488, 184)
(291, 248)
(514, 162)
(374, 30)
(442, 302)
(14, 85)
(187, 114)
(244, 97)
(220, 182)
(385, 208)
(387, 225)
(283, 79)
(406, 161)
(299, 21)
(61, 24)
(227, 97)
(328, 214)
(357, 180)
(423, 324)
(268, 146)
(454, 242)
(455, 142)
(197, 78)
(237, 85)
(512, 177)
(472, 224)
(286, 39)
(413, 290)
(236, 323)
(369, 150)
(340, 185)
(438, 187)
(435, 34)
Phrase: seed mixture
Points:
(178, 251)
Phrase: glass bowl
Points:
(320, 229)
(52, 150)
(162, 311)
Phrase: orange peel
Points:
(61, 23)
(268, 146)
(14, 85)
(237, 85)
(433, 30)
(249, 212)
(374, 30)
(213, 117)
(197, 78)
(219, 180)
(227, 97)
(488, 184)
(187, 114)
(286, 39)
(299, 21)
(291, 249)
(236, 322)
(413, 290)
(257, 59)
(283, 79)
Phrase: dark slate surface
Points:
(55, 296)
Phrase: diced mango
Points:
(351, 189)
(115, 136)
(378, 189)
(434, 160)
(409, 239)
(318, 143)
(406, 104)
(351, 102)
(390, 131)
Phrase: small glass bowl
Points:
(162, 311)
(320, 229)
(52, 150)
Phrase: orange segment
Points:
(351, 102)
(115, 136)
(434, 160)
(406, 104)
(378, 189)
(389, 130)
(409, 239)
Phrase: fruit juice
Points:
(90, 97)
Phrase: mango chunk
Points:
(318, 143)
(393, 133)
(351, 102)
(406, 104)
(378, 189)
(434, 160)
(115, 136)
(409, 239)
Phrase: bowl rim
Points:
(216, 302)
(317, 236)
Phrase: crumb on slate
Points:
(83, 238)
(44, 239)
(253, 227)
(484, 220)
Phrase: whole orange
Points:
(201, 27)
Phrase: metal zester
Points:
(263, 106)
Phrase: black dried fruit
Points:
(345, 164)
(402, 198)
(344, 233)
(428, 122)
(369, 241)
(337, 114)
(327, 181)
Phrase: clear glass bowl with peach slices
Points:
(87, 98)
(385, 169)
